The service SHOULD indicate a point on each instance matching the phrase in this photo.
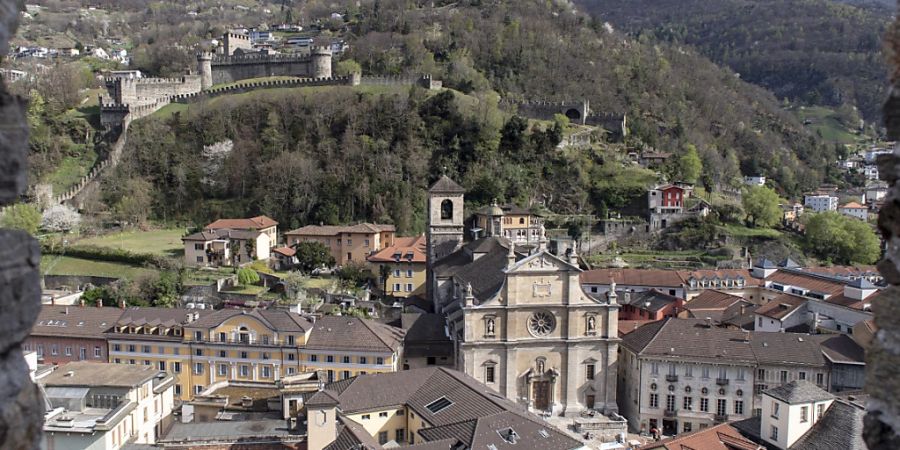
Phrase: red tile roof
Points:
(253, 223)
(853, 205)
(712, 299)
(633, 277)
(285, 251)
(627, 326)
(719, 437)
(409, 249)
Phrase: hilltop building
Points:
(225, 247)
(105, 406)
(264, 224)
(517, 315)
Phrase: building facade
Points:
(202, 347)
(64, 334)
(521, 323)
(225, 247)
(820, 203)
(519, 225)
(350, 243)
(105, 406)
(405, 266)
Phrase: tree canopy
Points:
(761, 204)
(21, 216)
(841, 239)
(312, 255)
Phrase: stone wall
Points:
(229, 70)
(882, 423)
(21, 408)
(167, 87)
(247, 86)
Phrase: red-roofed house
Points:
(263, 224)
(856, 210)
(405, 261)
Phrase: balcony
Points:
(672, 378)
(722, 381)
(721, 417)
(670, 413)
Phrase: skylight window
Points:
(439, 405)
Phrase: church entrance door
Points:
(542, 395)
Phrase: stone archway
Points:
(573, 114)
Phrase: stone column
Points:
(571, 375)
(21, 408)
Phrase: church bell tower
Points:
(445, 222)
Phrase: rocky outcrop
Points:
(882, 423)
(21, 409)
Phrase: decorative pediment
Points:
(541, 262)
(589, 361)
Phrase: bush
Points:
(107, 254)
(247, 277)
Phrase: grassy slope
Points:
(165, 242)
(67, 265)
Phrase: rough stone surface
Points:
(21, 408)
(882, 422)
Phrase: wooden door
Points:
(542, 395)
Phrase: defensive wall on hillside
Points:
(230, 68)
(577, 111)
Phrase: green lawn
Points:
(825, 123)
(205, 277)
(166, 242)
(67, 265)
(246, 290)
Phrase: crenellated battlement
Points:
(250, 58)
(268, 84)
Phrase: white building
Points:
(755, 181)
(821, 202)
(681, 375)
(100, 406)
(790, 410)
(871, 172)
(876, 191)
(856, 210)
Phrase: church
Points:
(517, 315)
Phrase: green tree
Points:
(166, 289)
(21, 216)
(384, 271)
(136, 201)
(347, 67)
(689, 165)
(841, 239)
(761, 206)
(312, 255)
(354, 274)
(247, 277)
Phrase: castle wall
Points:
(166, 87)
(247, 86)
(229, 72)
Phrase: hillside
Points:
(818, 52)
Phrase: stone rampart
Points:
(243, 68)
(240, 87)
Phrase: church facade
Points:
(522, 325)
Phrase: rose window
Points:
(541, 323)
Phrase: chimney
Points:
(511, 256)
(67, 310)
(53, 300)
(709, 322)
(122, 304)
(743, 308)
(99, 302)
(81, 302)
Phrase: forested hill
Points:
(546, 50)
(813, 51)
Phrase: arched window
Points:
(446, 210)
(521, 221)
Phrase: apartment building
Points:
(820, 202)
(681, 375)
(202, 347)
(347, 243)
(64, 334)
(263, 224)
(105, 406)
(405, 266)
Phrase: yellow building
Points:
(346, 243)
(406, 263)
(202, 347)
(437, 405)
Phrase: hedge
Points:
(109, 254)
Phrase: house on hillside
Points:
(855, 210)
(225, 247)
(263, 224)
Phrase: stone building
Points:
(521, 322)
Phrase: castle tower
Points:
(444, 223)
(204, 67)
(320, 67)
(124, 91)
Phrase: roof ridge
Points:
(377, 335)
(662, 325)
